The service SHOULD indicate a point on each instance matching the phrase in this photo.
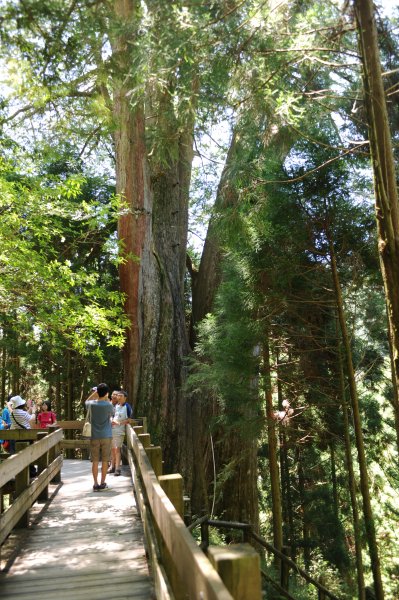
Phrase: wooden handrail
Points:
(247, 530)
(16, 462)
(16, 466)
(195, 570)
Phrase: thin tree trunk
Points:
(351, 475)
(364, 479)
(272, 443)
(69, 387)
(3, 372)
(303, 499)
(334, 480)
(395, 396)
(59, 409)
(286, 503)
(385, 187)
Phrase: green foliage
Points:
(53, 234)
(227, 362)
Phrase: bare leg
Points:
(104, 469)
(113, 457)
(94, 470)
(117, 458)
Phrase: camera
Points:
(93, 389)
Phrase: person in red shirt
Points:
(46, 417)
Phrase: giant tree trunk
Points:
(206, 281)
(134, 227)
(153, 231)
(386, 193)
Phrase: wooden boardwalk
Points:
(80, 545)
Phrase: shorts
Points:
(117, 441)
(100, 450)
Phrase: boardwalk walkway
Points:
(81, 545)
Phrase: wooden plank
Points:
(199, 577)
(163, 590)
(75, 444)
(67, 425)
(85, 546)
(13, 465)
(21, 435)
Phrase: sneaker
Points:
(117, 473)
(95, 487)
(111, 470)
(102, 486)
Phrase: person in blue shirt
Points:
(6, 416)
(100, 412)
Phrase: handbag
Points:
(86, 431)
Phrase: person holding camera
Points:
(100, 410)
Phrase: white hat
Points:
(17, 401)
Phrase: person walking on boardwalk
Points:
(100, 410)
(100, 413)
(119, 421)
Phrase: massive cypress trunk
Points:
(153, 231)
(206, 281)
(132, 183)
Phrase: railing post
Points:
(154, 454)
(53, 453)
(42, 464)
(204, 536)
(285, 570)
(239, 568)
(172, 485)
(246, 534)
(145, 439)
(21, 483)
(139, 430)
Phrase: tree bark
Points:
(153, 231)
(134, 226)
(385, 188)
(205, 283)
(351, 476)
(364, 479)
(273, 451)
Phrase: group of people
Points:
(23, 414)
(108, 417)
(107, 414)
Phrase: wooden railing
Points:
(285, 563)
(15, 481)
(181, 569)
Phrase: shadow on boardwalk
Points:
(80, 545)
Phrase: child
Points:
(45, 417)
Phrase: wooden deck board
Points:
(83, 545)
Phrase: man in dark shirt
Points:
(101, 411)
